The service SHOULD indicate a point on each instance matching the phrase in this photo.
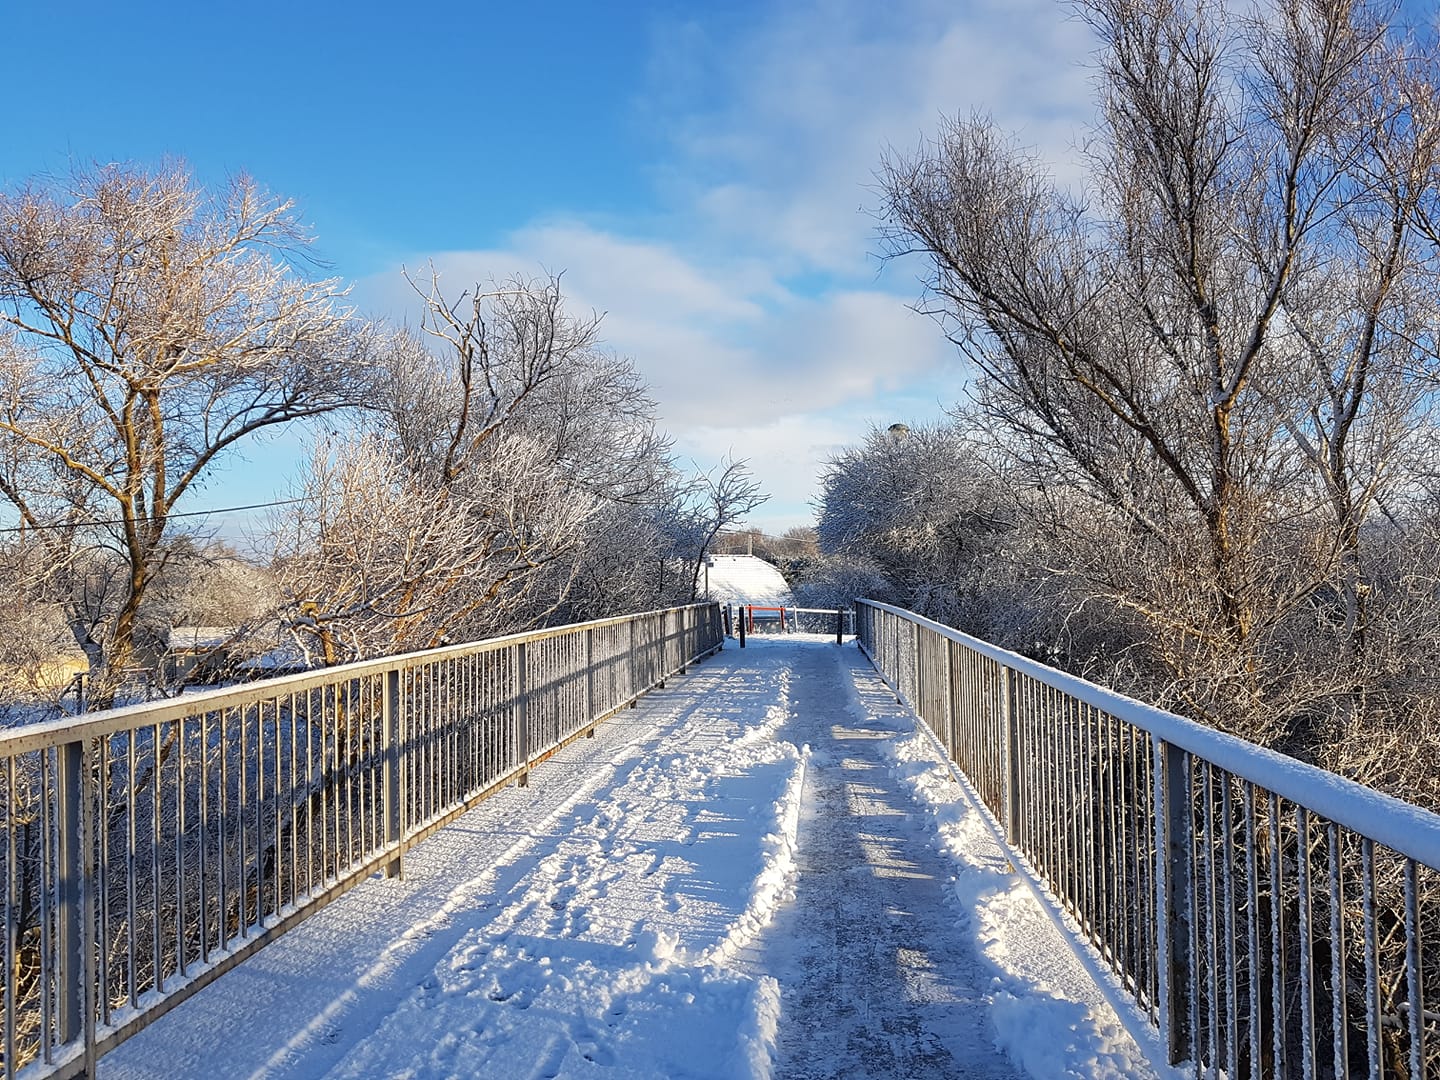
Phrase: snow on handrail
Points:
(1267, 916)
(1398, 825)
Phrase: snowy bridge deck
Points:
(764, 869)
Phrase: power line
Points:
(121, 521)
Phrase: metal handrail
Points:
(1271, 918)
(146, 850)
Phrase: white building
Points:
(745, 579)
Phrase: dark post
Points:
(392, 769)
(1014, 796)
(590, 681)
(742, 627)
(839, 626)
(522, 714)
(70, 946)
(1174, 854)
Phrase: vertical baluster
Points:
(1080, 828)
(1110, 876)
(13, 901)
(391, 719)
(257, 818)
(1227, 888)
(1413, 975)
(1125, 885)
(454, 770)
(1012, 769)
(277, 816)
(323, 725)
(49, 886)
(1059, 707)
(311, 795)
(334, 795)
(1152, 896)
(298, 791)
(71, 935)
(1174, 862)
(521, 708)
(1210, 994)
(132, 852)
(203, 836)
(1370, 928)
(242, 820)
(222, 845)
(1279, 1058)
(1338, 942)
(101, 880)
(1252, 941)
(1306, 943)
(157, 933)
(179, 852)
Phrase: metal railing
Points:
(144, 851)
(791, 620)
(805, 620)
(1272, 919)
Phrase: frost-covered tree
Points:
(925, 508)
(1217, 356)
(504, 448)
(147, 327)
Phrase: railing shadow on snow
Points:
(1272, 919)
(145, 851)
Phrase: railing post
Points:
(590, 679)
(897, 660)
(634, 675)
(1010, 710)
(1174, 869)
(947, 711)
(392, 713)
(75, 955)
(522, 714)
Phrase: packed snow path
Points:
(764, 870)
(874, 979)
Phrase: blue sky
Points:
(700, 173)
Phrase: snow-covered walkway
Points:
(875, 980)
(763, 870)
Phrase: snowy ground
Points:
(761, 871)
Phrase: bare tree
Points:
(709, 504)
(1214, 371)
(489, 467)
(1210, 356)
(146, 328)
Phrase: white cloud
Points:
(750, 301)
(713, 342)
(782, 149)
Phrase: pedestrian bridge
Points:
(765, 868)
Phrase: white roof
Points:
(201, 638)
(747, 579)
